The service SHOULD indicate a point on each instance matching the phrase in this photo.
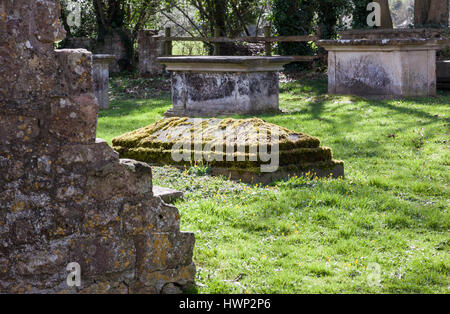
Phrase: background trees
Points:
(123, 19)
(292, 17)
(208, 18)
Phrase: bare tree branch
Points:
(238, 14)
(263, 8)
(190, 20)
(101, 11)
(178, 24)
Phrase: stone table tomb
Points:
(382, 67)
(219, 85)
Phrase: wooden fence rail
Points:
(244, 39)
(216, 40)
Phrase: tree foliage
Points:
(131, 15)
(88, 23)
(230, 17)
(305, 17)
(293, 17)
(359, 14)
(99, 17)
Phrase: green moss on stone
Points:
(154, 144)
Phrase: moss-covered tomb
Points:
(249, 149)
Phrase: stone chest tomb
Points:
(219, 85)
(383, 62)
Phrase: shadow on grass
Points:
(316, 108)
(310, 86)
(135, 106)
(313, 102)
(412, 111)
(317, 89)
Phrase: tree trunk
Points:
(65, 24)
(421, 12)
(219, 23)
(386, 19)
(113, 38)
(219, 16)
(101, 20)
(116, 13)
(438, 13)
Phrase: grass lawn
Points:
(388, 219)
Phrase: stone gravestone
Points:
(100, 72)
(66, 197)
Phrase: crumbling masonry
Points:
(64, 195)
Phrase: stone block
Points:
(92, 156)
(149, 216)
(74, 120)
(103, 255)
(75, 66)
(48, 22)
(126, 178)
(166, 194)
(208, 94)
(151, 282)
(14, 169)
(161, 252)
(18, 129)
(43, 261)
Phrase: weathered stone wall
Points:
(80, 42)
(150, 48)
(65, 196)
(112, 44)
(116, 43)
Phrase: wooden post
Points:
(217, 45)
(268, 45)
(321, 52)
(167, 44)
(319, 31)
